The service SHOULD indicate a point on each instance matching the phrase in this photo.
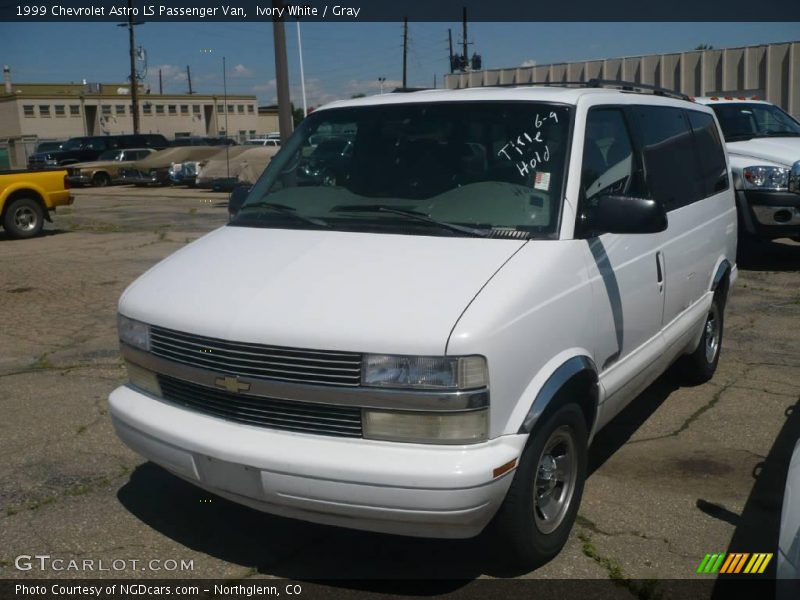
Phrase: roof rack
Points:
(625, 86)
(630, 86)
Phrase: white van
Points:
(763, 142)
(425, 338)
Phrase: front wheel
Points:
(540, 508)
(24, 218)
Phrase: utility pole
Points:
(405, 51)
(464, 33)
(450, 39)
(132, 55)
(285, 122)
(225, 104)
(189, 79)
(160, 83)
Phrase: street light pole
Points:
(302, 74)
(380, 81)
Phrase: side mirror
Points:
(623, 214)
(236, 199)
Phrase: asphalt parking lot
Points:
(682, 472)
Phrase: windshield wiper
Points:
(411, 214)
(285, 210)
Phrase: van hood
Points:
(358, 292)
(781, 150)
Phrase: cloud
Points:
(369, 86)
(241, 71)
(173, 78)
(528, 63)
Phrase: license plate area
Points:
(230, 477)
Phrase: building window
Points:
(147, 109)
(184, 109)
(27, 110)
(173, 109)
(106, 109)
(119, 109)
(61, 110)
(44, 110)
(196, 109)
(231, 108)
(220, 108)
(240, 109)
(74, 110)
(251, 109)
(252, 133)
(159, 109)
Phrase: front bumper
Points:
(770, 215)
(409, 489)
(79, 179)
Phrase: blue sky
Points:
(341, 59)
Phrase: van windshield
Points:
(445, 168)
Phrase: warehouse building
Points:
(35, 112)
(771, 71)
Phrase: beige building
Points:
(35, 112)
(771, 71)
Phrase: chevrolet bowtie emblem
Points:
(232, 384)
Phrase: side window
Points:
(608, 159)
(709, 148)
(96, 144)
(671, 163)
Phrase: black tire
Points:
(24, 218)
(101, 179)
(700, 366)
(519, 529)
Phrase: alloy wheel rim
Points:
(25, 219)
(554, 484)
(712, 334)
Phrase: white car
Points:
(427, 342)
(764, 147)
(788, 566)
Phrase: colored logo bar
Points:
(735, 562)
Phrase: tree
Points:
(359, 95)
(704, 47)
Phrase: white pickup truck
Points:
(764, 147)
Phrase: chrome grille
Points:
(286, 415)
(257, 360)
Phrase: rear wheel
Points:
(101, 179)
(24, 218)
(540, 508)
(700, 366)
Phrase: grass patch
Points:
(42, 362)
(646, 589)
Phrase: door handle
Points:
(659, 271)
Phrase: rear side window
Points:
(671, 163)
(713, 169)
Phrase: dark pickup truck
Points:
(82, 149)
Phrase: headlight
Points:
(133, 333)
(425, 372)
(766, 178)
(143, 379)
(468, 427)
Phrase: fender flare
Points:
(723, 270)
(553, 385)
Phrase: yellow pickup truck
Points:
(27, 197)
